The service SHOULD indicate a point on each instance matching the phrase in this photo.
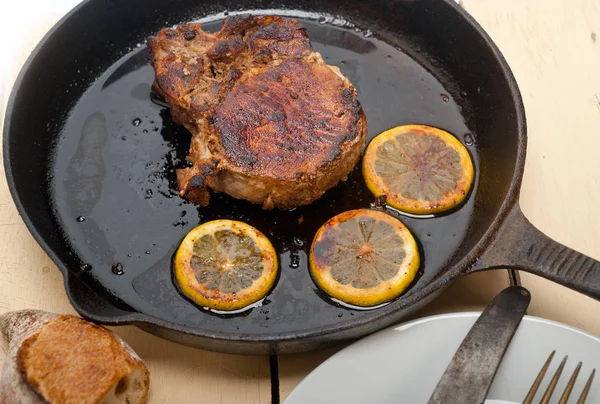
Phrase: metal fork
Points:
(548, 393)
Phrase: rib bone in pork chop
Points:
(271, 122)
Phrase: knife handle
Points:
(471, 371)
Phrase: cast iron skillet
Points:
(90, 160)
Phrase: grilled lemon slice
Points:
(419, 169)
(225, 265)
(364, 257)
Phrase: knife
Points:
(469, 376)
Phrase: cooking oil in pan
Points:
(115, 163)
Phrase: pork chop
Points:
(271, 122)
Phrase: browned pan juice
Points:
(115, 195)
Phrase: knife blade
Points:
(469, 375)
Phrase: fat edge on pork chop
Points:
(271, 122)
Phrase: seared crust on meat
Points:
(271, 121)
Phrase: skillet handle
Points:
(519, 245)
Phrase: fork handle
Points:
(519, 245)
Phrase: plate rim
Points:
(437, 317)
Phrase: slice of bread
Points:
(65, 359)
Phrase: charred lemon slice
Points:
(364, 257)
(225, 265)
(419, 169)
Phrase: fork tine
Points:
(565, 396)
(586, 389)
(538, 380)
(548, 394)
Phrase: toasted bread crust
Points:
(72, 361)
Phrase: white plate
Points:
(403, 364)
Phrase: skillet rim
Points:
(383, 317)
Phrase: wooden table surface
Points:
(553, 48)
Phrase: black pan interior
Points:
(91, 158)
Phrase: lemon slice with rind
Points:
(225, 265)
(364, 257)
(418, 169)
